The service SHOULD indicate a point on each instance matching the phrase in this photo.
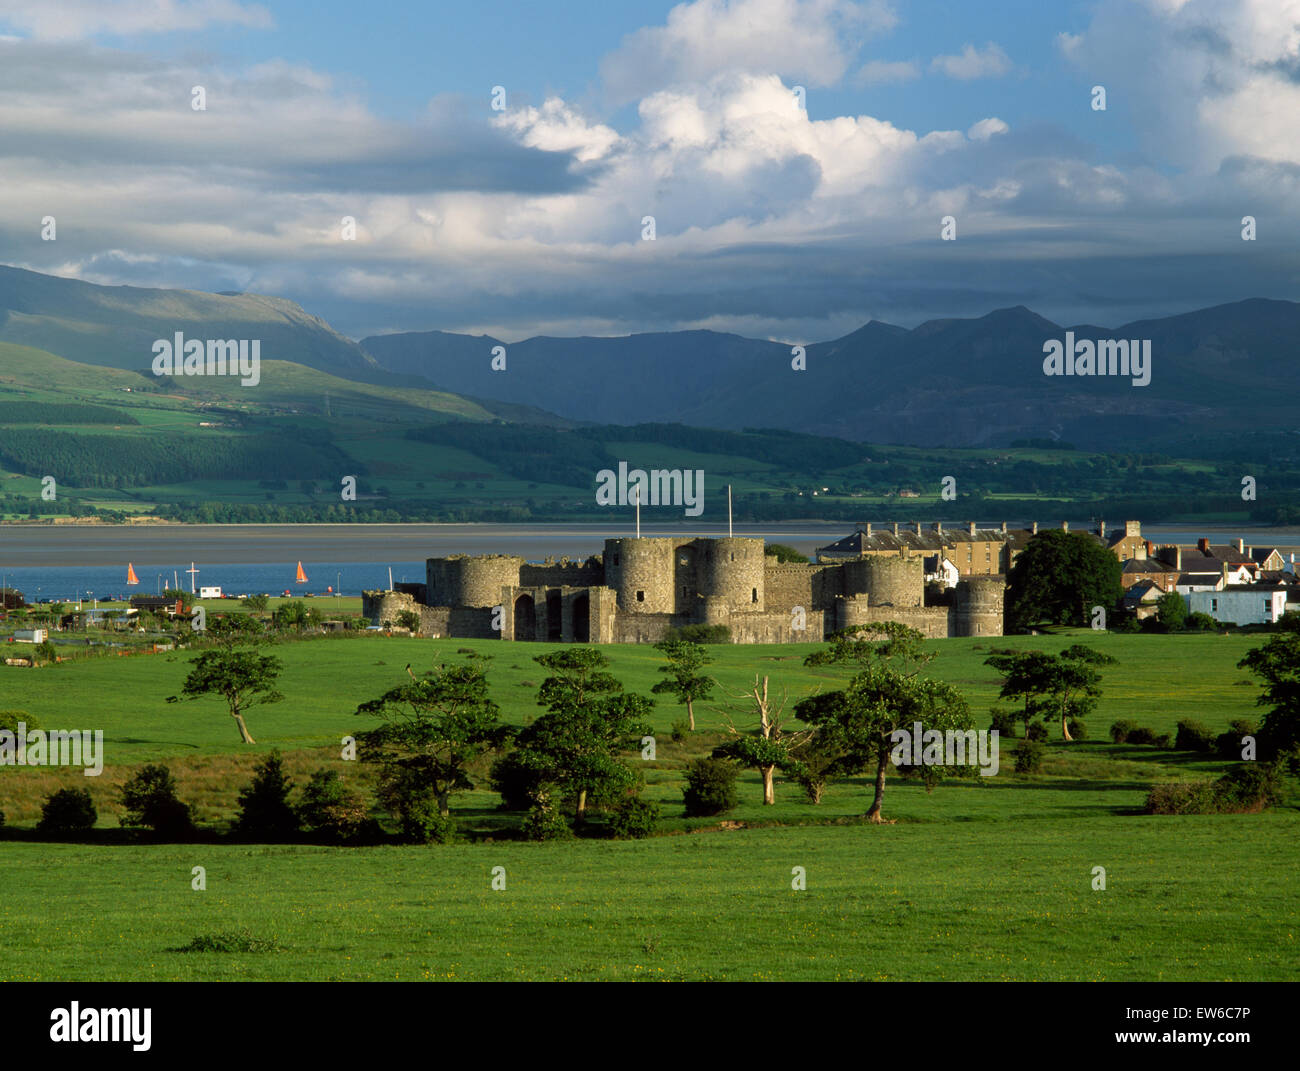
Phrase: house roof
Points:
(1146, 565)
(1140, 591)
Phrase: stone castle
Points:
(641, 587)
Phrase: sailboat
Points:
(131, 578)
(302, 577)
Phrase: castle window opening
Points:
(640, 596)
(733, 555)
(753, 597)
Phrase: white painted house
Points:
(1259, 605)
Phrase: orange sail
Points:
(302, 577)
(131, 578)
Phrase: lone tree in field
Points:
(767, 747)
(434, 728)
(685, 659)
(1066, 685)
(575, 745)
(1278, 664)
(1023, 674)
(239, 674)
(1058, 578)
(887, 694)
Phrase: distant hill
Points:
(949, 382)
(117, 325)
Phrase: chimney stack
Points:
(1004, 527)
(938, 527)
(1035, 531)
(918, 527)
(1203, 545)
(972, 527)
(1101, 529)
(895, 528)
(1065, 526)
(1241, 545)
(868, 529)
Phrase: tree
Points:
(1277, 663)
(409, 620)
(1171, 611)
(264, 807)
(684, 662)
(256, 603)
(766, 748)
(292, 614)
(149, 797)
(784, 554)
(590, 719)
(887, 694)
(239, 674)
(1023, 675)
(1066, 685)
(1058, 578)
(434, 728)
(45, 651)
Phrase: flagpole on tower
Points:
(728, 511)
(638, 511)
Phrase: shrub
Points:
(1194, 798)
(1228, 744)
(264, 805)
(9, 719)
(710, 787)
(2, 818)
(517, 783)
(1141, 736)
(69, 810)
(150, 800)
(700, 634)
(1078, 730)
(1200, 622)
(634, 818)
(1037, 731)
(1029, 756)
(330, 810)
(415, 806)
(1248, 787)
(1121, 731)
(680, 730)
(1162, 740)
(1193, 736)
(1003, 721)
(545, 822)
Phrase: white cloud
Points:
(883, 72)
(992, 62)
(810, 41)
(987, 128)
(67, 20)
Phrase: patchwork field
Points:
(981, 878)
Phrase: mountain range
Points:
(1215, 372)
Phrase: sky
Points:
(798, 158)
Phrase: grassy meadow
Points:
(981, 878)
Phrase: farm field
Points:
(1187, 898)
(983, 878)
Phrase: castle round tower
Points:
(471, 581)
(886, 581)
(978, 604)
(732, 569)
(641, 573)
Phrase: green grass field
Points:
(986, 878)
